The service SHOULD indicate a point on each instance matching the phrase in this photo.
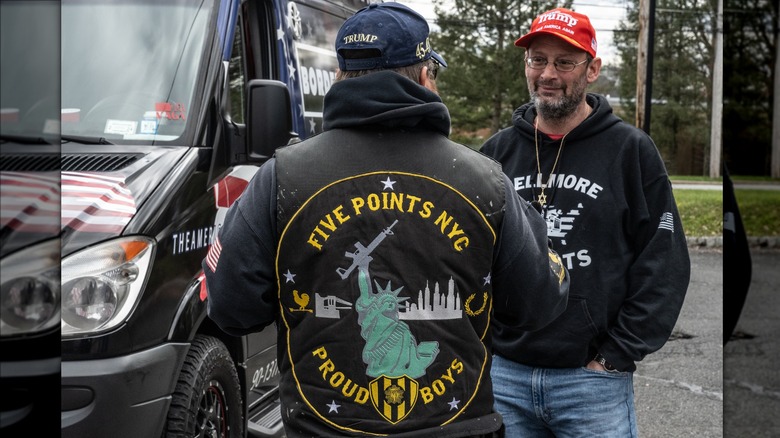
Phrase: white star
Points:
(312, 126)
(289, 277)
(487, 279)
(454, 403)
(280, 34)
(388, 183)
(334, 407)
(291, 68)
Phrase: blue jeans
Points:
(563, 402)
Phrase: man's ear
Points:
(426, 81)
(594, 68)
(423, 79)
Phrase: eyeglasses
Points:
(540, 63)
(433, 69)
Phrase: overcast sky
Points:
(605, 15)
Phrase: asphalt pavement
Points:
(679, 389)
(693, 386)
(751, 367)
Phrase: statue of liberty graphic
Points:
(391, 349)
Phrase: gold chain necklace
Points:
(542, 198)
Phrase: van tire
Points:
(207, 400)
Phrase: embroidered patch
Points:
(384, 281)
(212, 258)
(667, 222)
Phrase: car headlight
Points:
(101, 285)
(30, 290)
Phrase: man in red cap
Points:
(603, 189)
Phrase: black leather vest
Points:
(384, 259)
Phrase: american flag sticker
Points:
(96, 203)
(212, 258)
(31, 202)
(667, 222)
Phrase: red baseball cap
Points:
(570, 26)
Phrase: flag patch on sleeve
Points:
(212, 258)
(667, 222)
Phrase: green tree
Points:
(682, 79)
(485, 80)
(749, 52)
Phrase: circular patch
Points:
(385, 294)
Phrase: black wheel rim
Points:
(212, 413)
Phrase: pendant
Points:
(542, 198)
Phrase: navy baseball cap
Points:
(393, 33)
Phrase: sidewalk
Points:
(706, 185)
(766, 242)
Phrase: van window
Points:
(129, 69)
(236, 79)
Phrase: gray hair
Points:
(410, 71)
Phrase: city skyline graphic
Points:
(430, 305)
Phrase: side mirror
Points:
(269, 118)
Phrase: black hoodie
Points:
(612, 217)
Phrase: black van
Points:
(167, 109)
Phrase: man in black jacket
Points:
(383, 251)
(611, 215)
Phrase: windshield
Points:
(129, 69)
(30, 85)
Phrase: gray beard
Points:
(558, 110)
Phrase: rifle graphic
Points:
(362, 254)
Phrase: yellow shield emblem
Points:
(393, 397)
